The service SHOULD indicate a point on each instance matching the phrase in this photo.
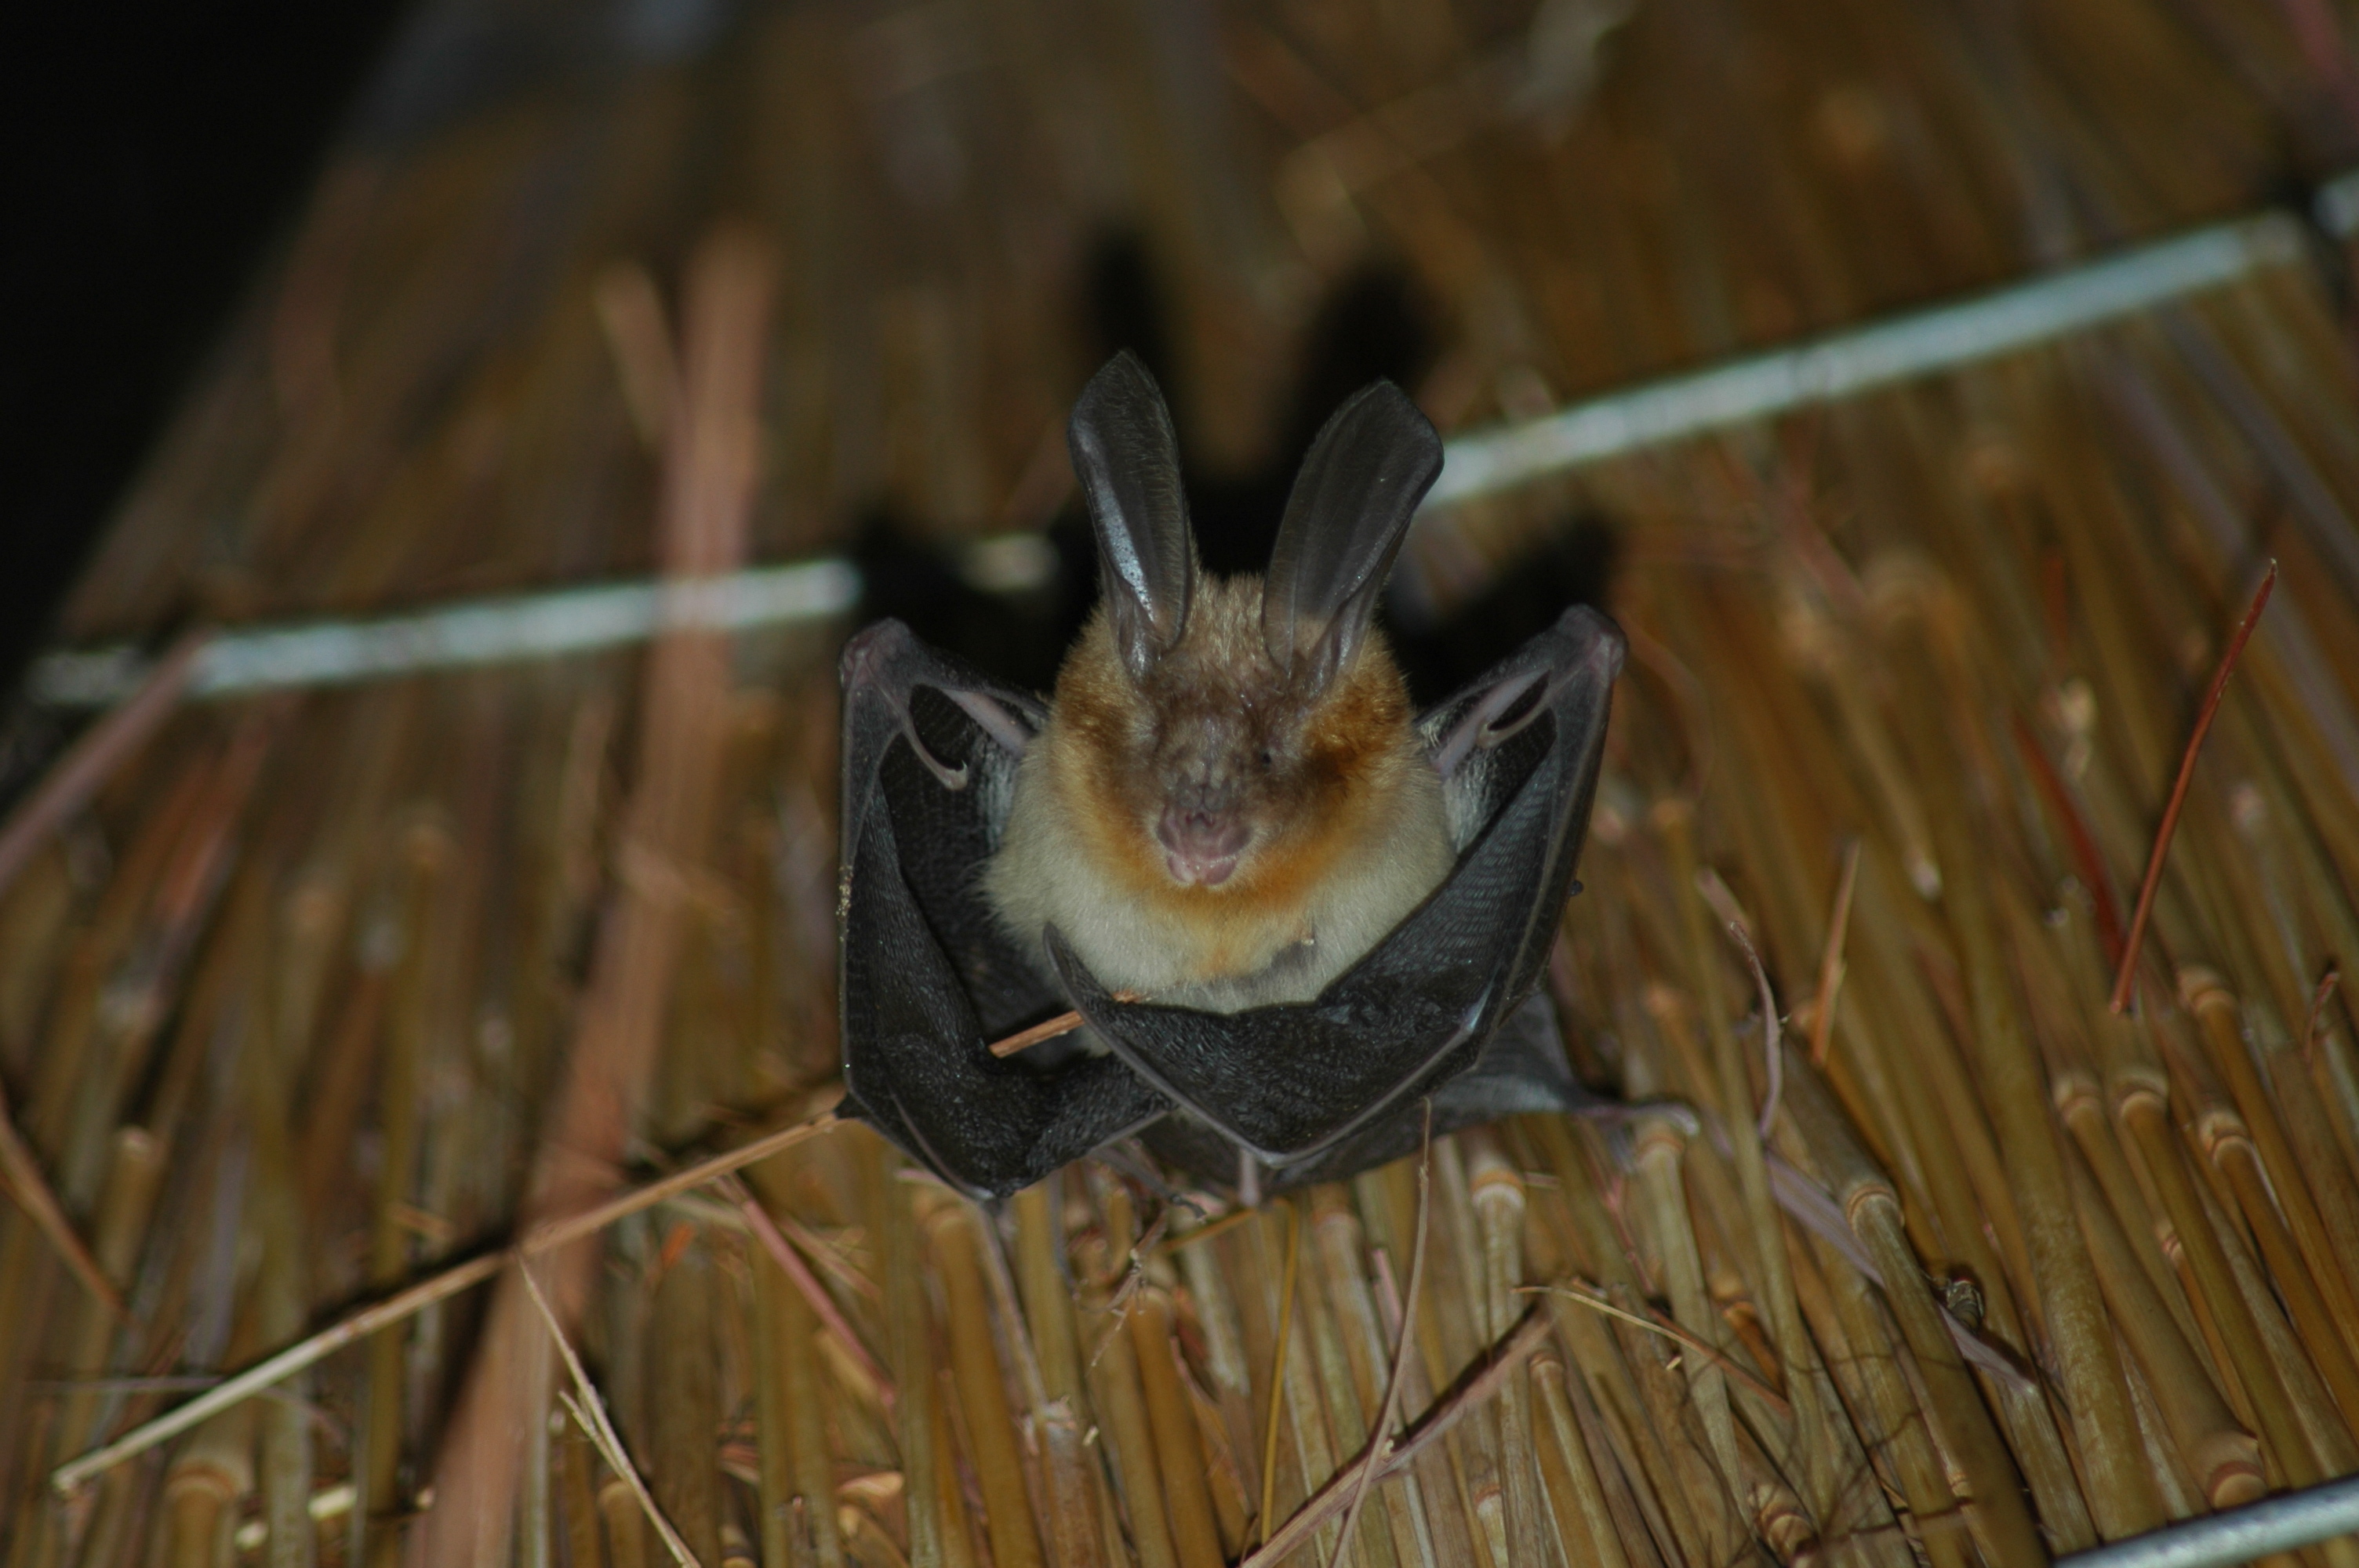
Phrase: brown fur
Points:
(1347, 832)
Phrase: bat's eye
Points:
(1268, 759)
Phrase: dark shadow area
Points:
(150, 154)
(1372, 326)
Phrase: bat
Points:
(1288, 912)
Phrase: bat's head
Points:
(1233, 739)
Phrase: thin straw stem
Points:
(766, 1229)
(590, 1410)
(96, 755)
(416, 1298)
(1278, 1372)
(1831, 962)
(1381, 1436)
(1490, 1375)
(25, 1183)
(2125, 978)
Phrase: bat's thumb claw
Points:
(869, 650)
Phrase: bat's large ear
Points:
(1344, 521)
(1127, 461)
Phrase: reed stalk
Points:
(1685, 1503)
(1586, 1527)
(684, 1469)
(961, 1536)
(1360, 1335)
(950, 1227)
(2219, 1021)
(795, 1483)
(2121, 1490)
(2141, 1106)
(1961, 1423)
(910, 1350)
(1070, 1521)
(1438, 1516)
(1857, 1340)
(1499, 1196)
(2220, 1452)
(1179, 1449)
(1121, 1407)
(1656, 1151)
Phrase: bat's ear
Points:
(1127, 461)
(1344, 521)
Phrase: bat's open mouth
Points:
(1200, 871)
(1200, 847)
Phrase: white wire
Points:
(482, 631)
(1944, 337)
(2236, 1535)
(570, 620)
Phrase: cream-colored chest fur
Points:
(1062, 864)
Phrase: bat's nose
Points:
(1201, 847)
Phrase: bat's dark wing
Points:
(1520, 1068)
(1308, 1088)
(927, 977)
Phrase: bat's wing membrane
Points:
(927, 977)
(1294, 1083)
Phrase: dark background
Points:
(150, 156)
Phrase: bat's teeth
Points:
(1201, 847)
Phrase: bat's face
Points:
(1211, 830)
(1214, 780)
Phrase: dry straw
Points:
(317, 1012)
